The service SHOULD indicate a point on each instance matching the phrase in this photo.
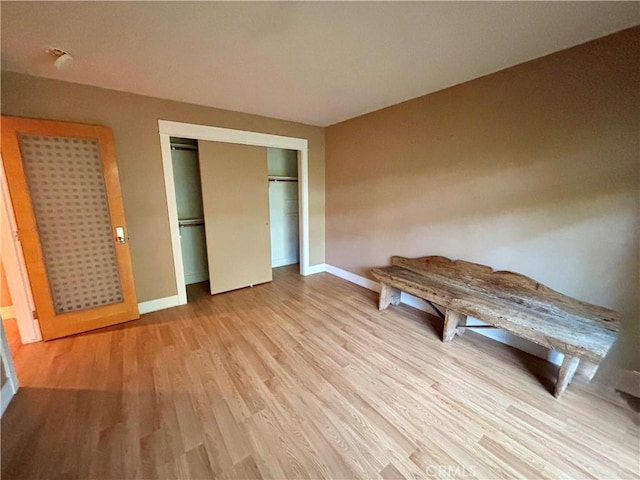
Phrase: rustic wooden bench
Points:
(584, 333)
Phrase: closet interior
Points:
(282, 166)
(186, 177)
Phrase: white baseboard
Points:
(628, 381)
(405, 298)
(7, 312)
(313, 269)
(158, 304)
(415, 302)
(282, 262)
(353, 278)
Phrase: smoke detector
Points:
(63, 59)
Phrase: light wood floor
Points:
(302, 378)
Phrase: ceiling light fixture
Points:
(63, 59)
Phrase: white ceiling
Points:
(316, 63)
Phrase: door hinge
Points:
(35, 315)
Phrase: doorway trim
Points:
(15, 268)
(10, 387)
(167, 129)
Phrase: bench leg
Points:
(586, 370)
(388, 296)
(451, 321)
(568, 368)
(462, 323)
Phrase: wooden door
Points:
(236, 213)
(64, 187)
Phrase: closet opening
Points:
(284, 221)
(235, 193)
(283, 213)
(188, 188)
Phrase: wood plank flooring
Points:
(302, 378)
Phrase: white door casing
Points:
(15, 268)
(9, 379)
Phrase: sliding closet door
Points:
(235, 197)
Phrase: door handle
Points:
(120, 238)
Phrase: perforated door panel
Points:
(70, 203)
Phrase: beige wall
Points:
(134, 120)
(533, 169)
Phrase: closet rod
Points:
(183, 146)
(191, 222)
(277, 178)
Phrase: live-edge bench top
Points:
(509, 300)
